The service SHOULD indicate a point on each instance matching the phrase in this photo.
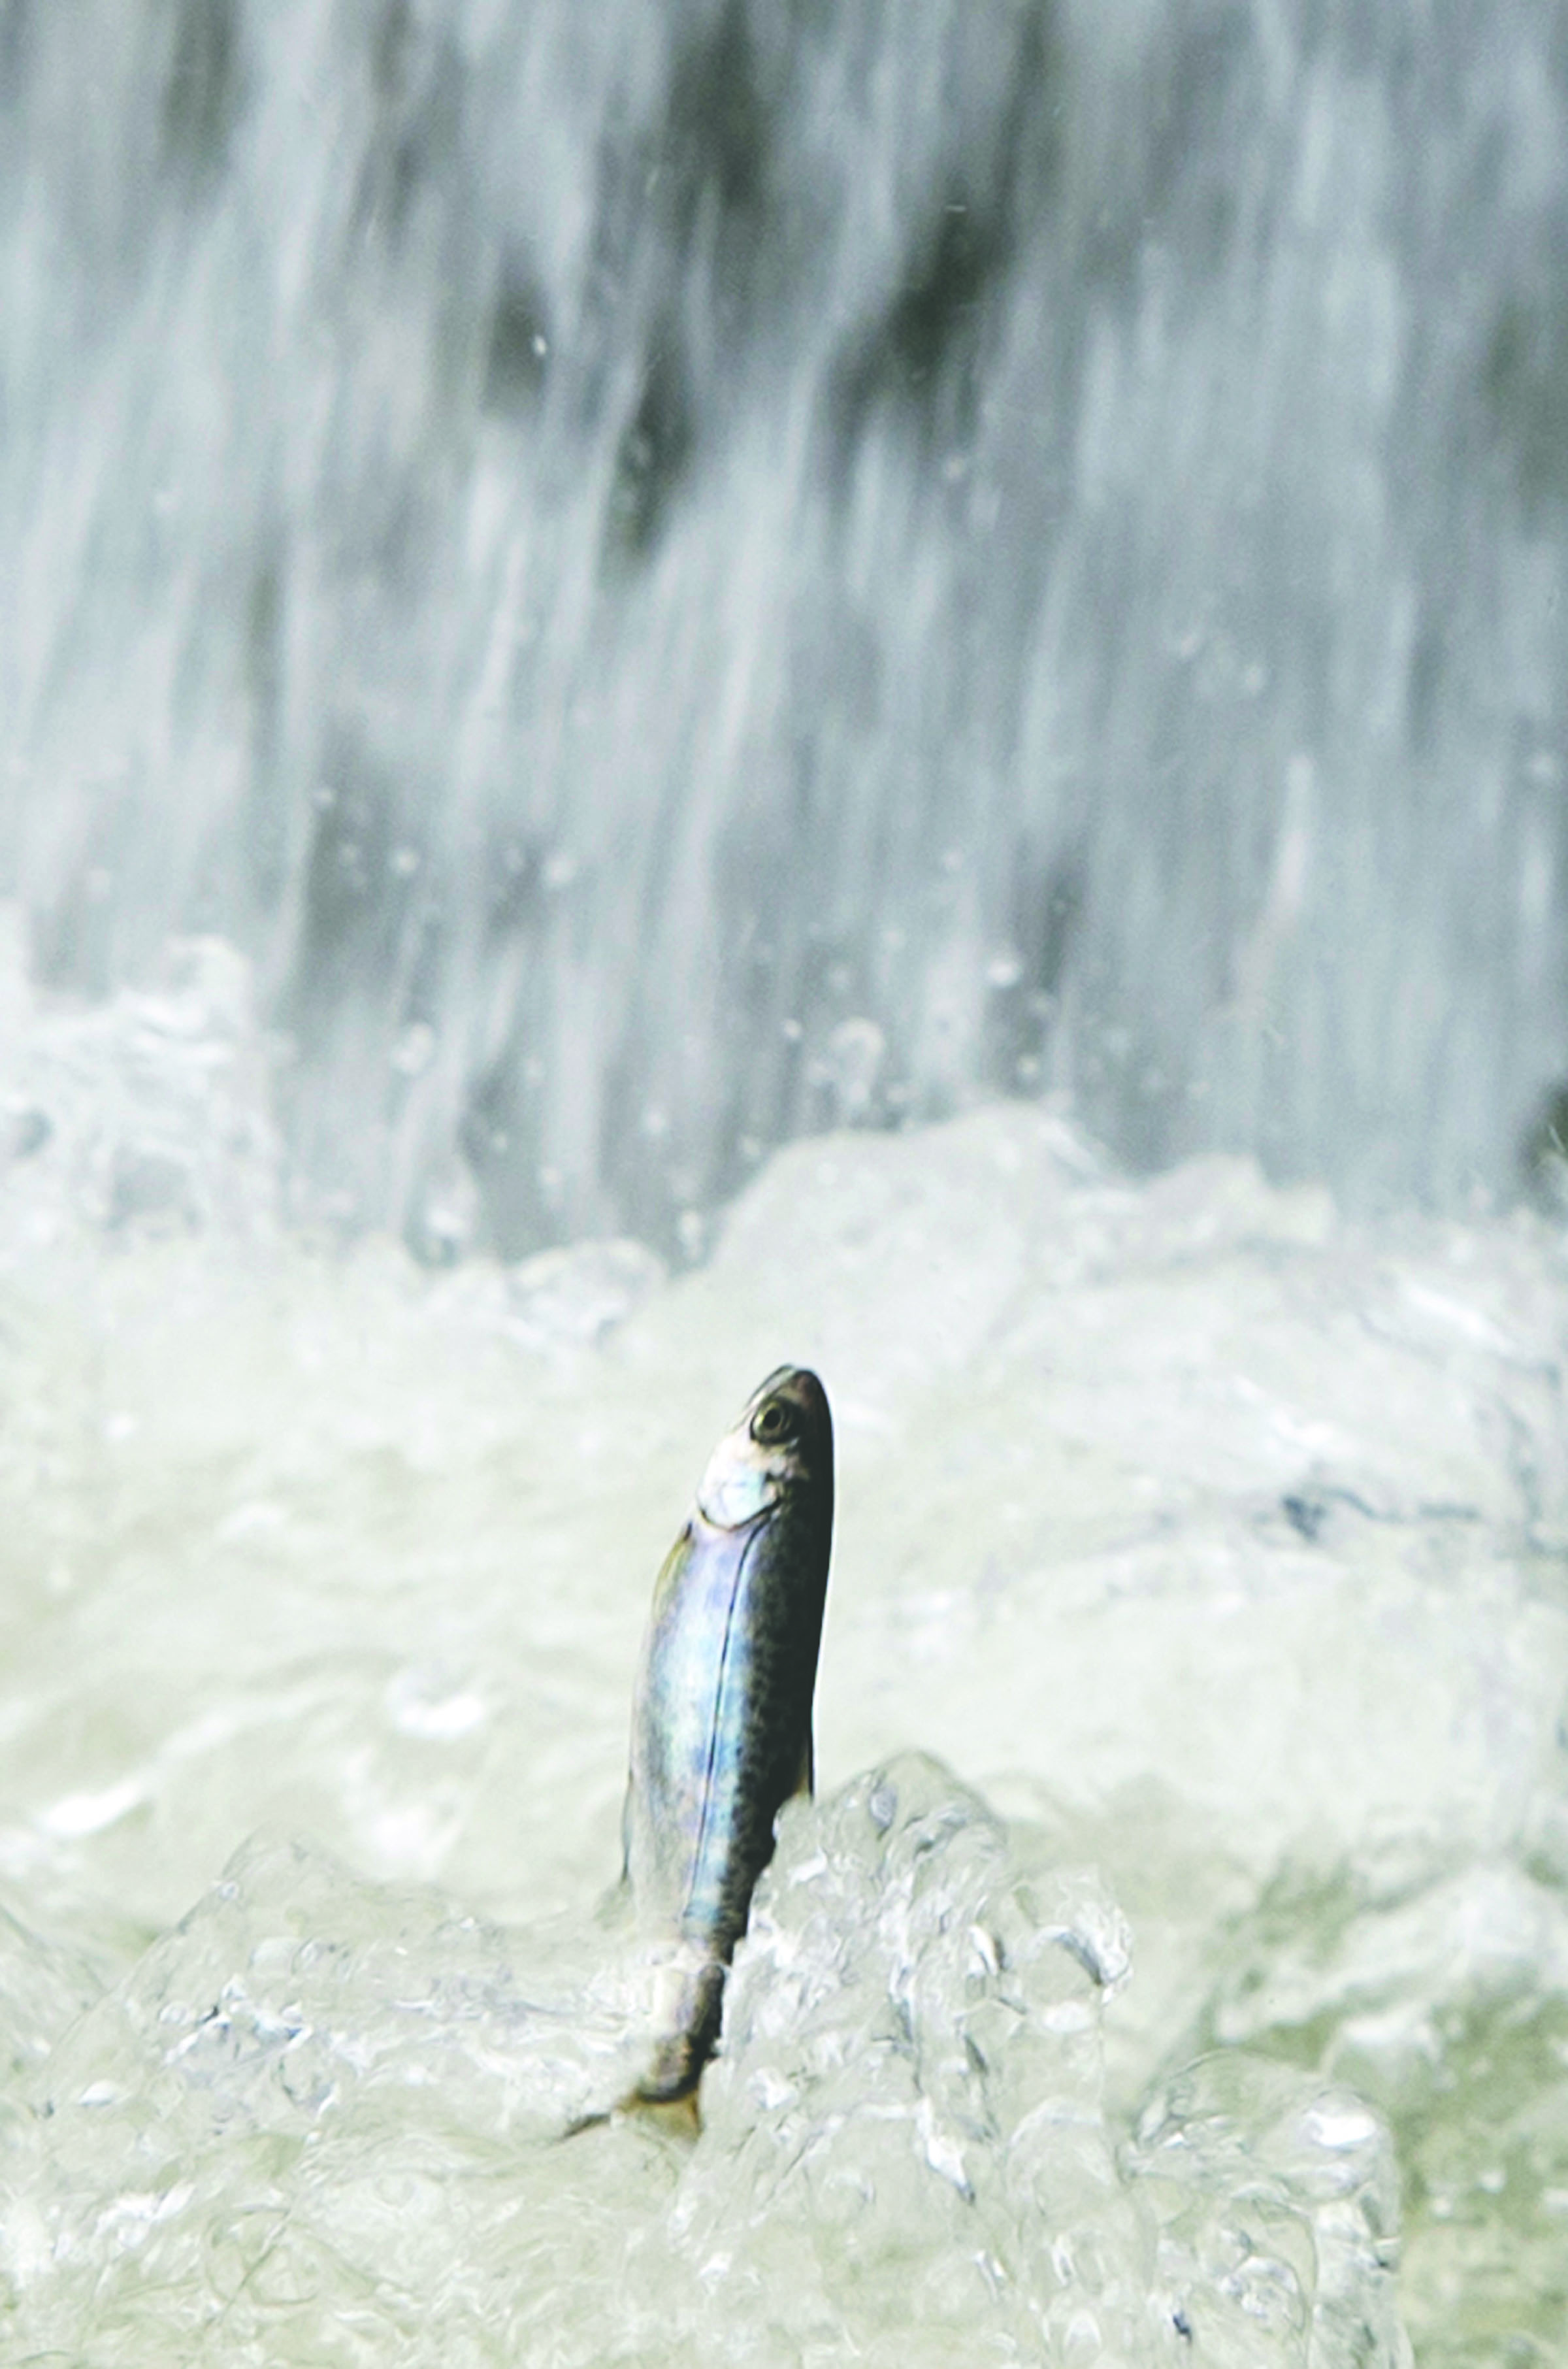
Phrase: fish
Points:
(721, 1712)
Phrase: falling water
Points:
(683, 685)
(682, 573)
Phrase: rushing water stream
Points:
(693, 682)
(682, 570)
(1183, 1907)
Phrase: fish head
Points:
(783, 1442)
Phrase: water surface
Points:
(1182, 1914)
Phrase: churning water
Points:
(1183, 1909)
(589, 587)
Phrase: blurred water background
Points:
(688, 683)
(679, 573)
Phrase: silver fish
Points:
(721, 1720)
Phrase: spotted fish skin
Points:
(721, 1720)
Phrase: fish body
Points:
(721, 1720)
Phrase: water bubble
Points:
(852, 1067)
(414, 1050)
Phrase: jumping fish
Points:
(721, 1719)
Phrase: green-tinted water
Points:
(1183, 1909)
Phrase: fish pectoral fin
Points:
(612, 1909)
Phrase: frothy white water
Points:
(323, 2120)
(1191, 1534)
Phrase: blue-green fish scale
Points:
(721, 1731)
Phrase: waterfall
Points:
(679, 574)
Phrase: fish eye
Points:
(773, 1422)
